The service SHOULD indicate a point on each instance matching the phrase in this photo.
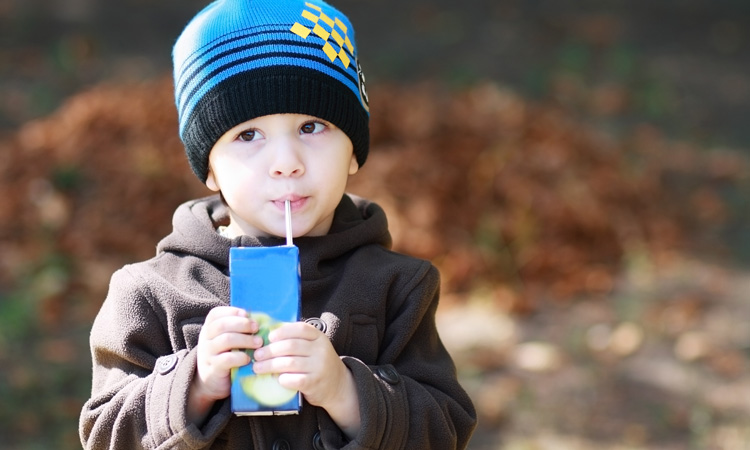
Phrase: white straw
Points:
(288, 213)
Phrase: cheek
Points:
(336, 182)
(238, 167)
(235, 181)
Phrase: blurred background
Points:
(576, 169)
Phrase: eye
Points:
(312, 128)
(247, 136)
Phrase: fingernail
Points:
(259, 354)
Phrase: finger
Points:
(293, 381)
(228, 360)
(286, 347)
(283, 364)
(224, 311)
(229, 324)
(294, 330)
(309, 383)
(231, 341)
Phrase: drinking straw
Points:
(288, 213)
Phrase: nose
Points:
(286, 160)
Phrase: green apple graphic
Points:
(264, 388)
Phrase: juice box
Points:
(265, 281)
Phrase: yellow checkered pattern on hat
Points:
(332, 31)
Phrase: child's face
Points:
(259, 164)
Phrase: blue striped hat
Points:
(241, 59)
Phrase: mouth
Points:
(296, 202)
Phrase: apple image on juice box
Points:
(265, 281)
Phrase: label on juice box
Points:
(265, 281)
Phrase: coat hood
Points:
(357, 222)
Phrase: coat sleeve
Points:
(412, 398)
(139, 384)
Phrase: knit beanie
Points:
(241, 59)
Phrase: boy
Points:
(272, 107)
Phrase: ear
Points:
(211, 181)
(353, 165)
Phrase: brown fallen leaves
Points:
(495, 190)
(498, 190)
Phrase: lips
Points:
(297, 202)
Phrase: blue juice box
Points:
(265, 281)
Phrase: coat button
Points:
(165, 364)
(389, 374)
(281, 444)
(317, 323)
(318, 442)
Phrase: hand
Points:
(226, 329)
(306, 361)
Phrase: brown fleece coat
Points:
(379, 309)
